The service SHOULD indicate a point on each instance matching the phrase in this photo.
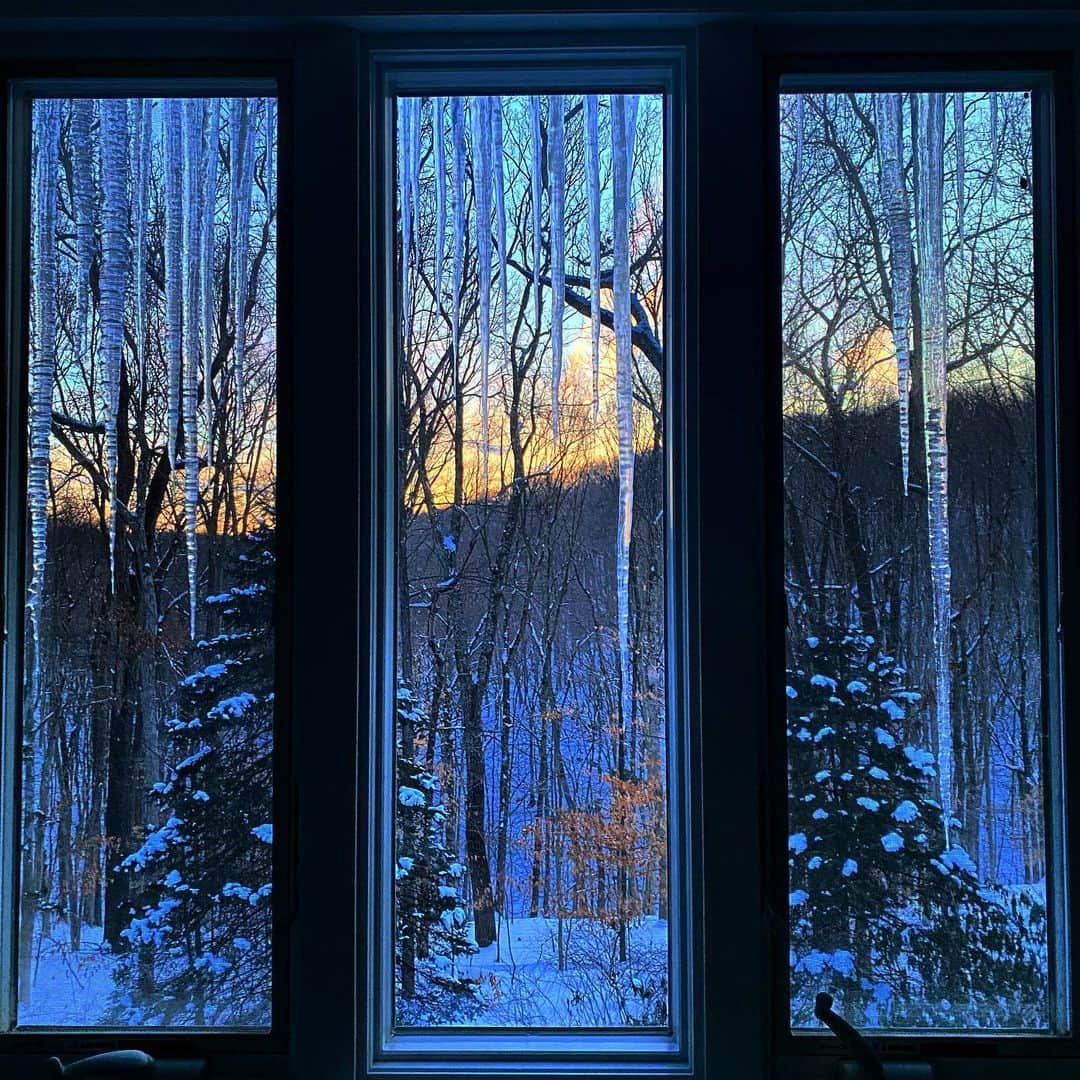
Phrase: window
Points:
(147, 757)
(919, 566)
(686, 858)
(528, 755)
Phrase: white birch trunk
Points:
(888, 111)
(935, 395)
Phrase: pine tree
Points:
(429, 910)
(201, 917)
(882, 915)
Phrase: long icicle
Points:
(194, 180)
(174, 262)
(481, 128)
(114, 275)
(439, 148)
(958, 135)
(144, 139)
(994, 153)
(405, 191)
(457, 120)
(82, 114)
(42, 368)
(557, 162)
(888, 109)
(209, 314)
(500, 209)
(624, 387)
(935, 397)
(592, 165)
(537, 215)
(800, 136)
(246, 158)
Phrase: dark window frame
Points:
(500, 63)
(955, 60)
(324, 190)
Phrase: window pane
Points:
(915, 726)
(532, 738)
(149, 657)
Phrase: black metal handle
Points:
(864, 1053)
(125, 1063)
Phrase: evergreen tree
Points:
(429, 909)
(882, 914)
(200, 929)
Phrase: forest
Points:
(531, 817)
(916, 686)
(148, 690)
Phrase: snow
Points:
(906, 811)
(868, 804)
(894, 711)
(956, 858)
(797, 843)
(877, 772)
(410, 796)
(71, 987)
(264, 832)
(824, 681)
(792, 692)
(799, 896)
(849, 868)
(884, 738)
(856, 686)
(892, 842)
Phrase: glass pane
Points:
(915, 726)
(149, 658)
(531, 799)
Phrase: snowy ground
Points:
(521, 984)
(69, 989)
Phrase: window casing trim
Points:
(862, 65)
(567, 64)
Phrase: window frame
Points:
(23, 81)
(1050, 77)
(325, 158)
(505, 64)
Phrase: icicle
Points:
(481, 128)
(143, 128)
(405, 190)
(958, 134)
(244, 159)
(440, 193)
(624, 386)
(114, 274)
(500, 208)
(800, 135)
(42, 366)
(935, 396)
(557, 161)
(209, 314)
(890, 139)
(993, 144)
(631, 139)
(83, 176)
(592, 165)
(537, 167)
(194, 181)
(457, 120)
(174, 168)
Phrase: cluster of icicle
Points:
(473, 130)
(184, 136)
